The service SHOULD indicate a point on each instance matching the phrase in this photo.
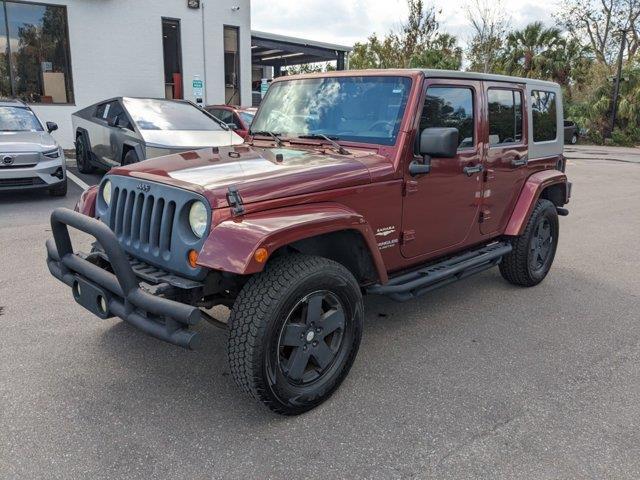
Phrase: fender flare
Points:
(136, 147)
(531, 191)
(84, 133)
(231, 245)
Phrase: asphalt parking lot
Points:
(477, 380)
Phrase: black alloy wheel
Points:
(311, 337)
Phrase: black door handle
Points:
(520, 161)
(469, 171)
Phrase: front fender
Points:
(231, 244)
(529, 195)
(87, 202)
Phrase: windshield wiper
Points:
(270, 134)
(320, 136)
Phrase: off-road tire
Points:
(574, 139)
(516, 266)
(83, 156)
(130, 157)
(259, 317)
(60, 190)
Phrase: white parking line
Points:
(77, 181)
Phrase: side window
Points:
(114, 110)
(223, 115)
(100, 111)
(450, 107)
(545, 125)
(505, 116)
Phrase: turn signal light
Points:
(193, 258)
(261, 255)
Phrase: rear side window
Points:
(505, 116)
(450, 107)
(545, 121)
(225, 116)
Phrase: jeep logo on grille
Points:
(144, 187)
(7, 160)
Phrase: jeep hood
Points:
(258, 174)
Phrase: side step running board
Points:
(410, 285)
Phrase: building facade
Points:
(61, 56)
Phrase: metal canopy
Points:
(277, 51)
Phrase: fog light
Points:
(102, 304)
(193, 258)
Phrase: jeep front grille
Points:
(151, 222)
(142, 221)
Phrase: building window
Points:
(450, 107)
(232, 65)
(545, 120)
(505, 117)
(35, 64)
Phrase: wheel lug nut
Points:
(304, 348)
(318, 330)
(315, 344)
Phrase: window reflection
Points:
(450, 107)
(35, 63)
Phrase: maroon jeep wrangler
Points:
(390, 182)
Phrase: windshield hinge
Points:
(235, 201)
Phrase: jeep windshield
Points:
(365, 109)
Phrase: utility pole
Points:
(616, 84)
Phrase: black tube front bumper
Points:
(119, 294)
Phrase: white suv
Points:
(30, 158)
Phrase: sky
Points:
(345, 22)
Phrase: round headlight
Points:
(198, 219)
(106, 192)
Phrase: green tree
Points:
(529, 51)
(489, 30)
(418, 43)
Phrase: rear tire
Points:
(130, 157)
(60, 190)
(574, 139)
(83, 156)
(533, 252)
(294, 332)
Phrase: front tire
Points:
(83, 155)
(533, 252)
(294, 332)
(60, 190)
(130, 158)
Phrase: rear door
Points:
(505, 164)
(441, 208)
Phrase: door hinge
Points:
(410, 186)
(408, 236)
(235, 201)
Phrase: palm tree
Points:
(528, 51)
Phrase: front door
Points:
(441, 208)
(506, 160)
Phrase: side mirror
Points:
(232, 126)
(439, 142)
(52, 127)
(434, 142)
(112, 122)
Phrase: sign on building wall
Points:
(193, 3)
(198, 89)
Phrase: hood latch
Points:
(235, 201)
